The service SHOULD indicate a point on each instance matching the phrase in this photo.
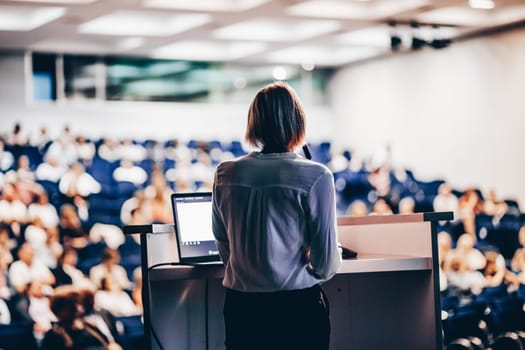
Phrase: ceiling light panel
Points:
(21, 18)
(379, 36)
(466, 16)
(67, 2)
(209, 50)
(206, 5)
(143, 23)
(323, 55)
(267, 29)
(361, 10)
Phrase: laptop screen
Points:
(193, 224)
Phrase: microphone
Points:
(306, 152)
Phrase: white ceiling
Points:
(320, 32)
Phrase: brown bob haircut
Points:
(276, 119)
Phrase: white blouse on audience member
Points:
(117, 303)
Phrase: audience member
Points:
(127, 172)
(6, 158)
(71, 332)
(5, 315)
(474, 259)
(67, 272)
(445, 200)
(131, 152)
(109, 150)
(136, 293)
(157, 197)
(468, 207)
(27, 269)
(444, 249)
(491, 206)
(12, 209)
(357, 209)
(111, 297)
(407, 205)
(71, 230)
(7, 244)
(460, 276)
(110, 266)
(63, 151)
(101, 319)
(85, 150)
(496, 272)
(381, 207)
(17, 137)
(518, 260)
(50, 170)
(43, 210)
(76, 182)
(39, 310)
(5, 287)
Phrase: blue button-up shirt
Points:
(274, 222)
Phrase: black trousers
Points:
(285, 320)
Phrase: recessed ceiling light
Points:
(130, 43)
(69, 2)
(206, 5)
(482, 4)
(466, 16)
(208, 50)
(22, 18)
(353, 9)
(143, 23)
(267, 29)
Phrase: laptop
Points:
(192, 213)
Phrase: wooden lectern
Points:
(386, 299)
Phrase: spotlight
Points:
(439, 41)
(417, 42)
(395, 39)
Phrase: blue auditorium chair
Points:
(507, 341)
(17, 337)
(464, 325)
(132, 337)
(507, 315)
(90, 256)
(460, 344)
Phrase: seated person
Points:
(127, 172)
(70, 332)
(518, 260)
(28, 269)
(381, 207)
(39, 310)
(50, 170)
(459, 275)
(43, 210)
(474, 258)
(12, 209)
(6, 158)
(71, 230)
(76, 182)
(110, 266)
(101, 319)
(357, 209)
(496, 272)
(407, 205)
(445, 200)
(111, 297)
(136, 293)
(5, 315)
(67, 272)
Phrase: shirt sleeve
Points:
(324, 255)
(219, 229)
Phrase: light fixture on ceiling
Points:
(279, 73)
(208, 50)
(395, 38)
(440, 40)
(482, 4)
(417, 41)
(139, 23)
(206, 5)
(308, 66)
(23, 18)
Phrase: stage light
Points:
(417, 42)
(395, 39)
